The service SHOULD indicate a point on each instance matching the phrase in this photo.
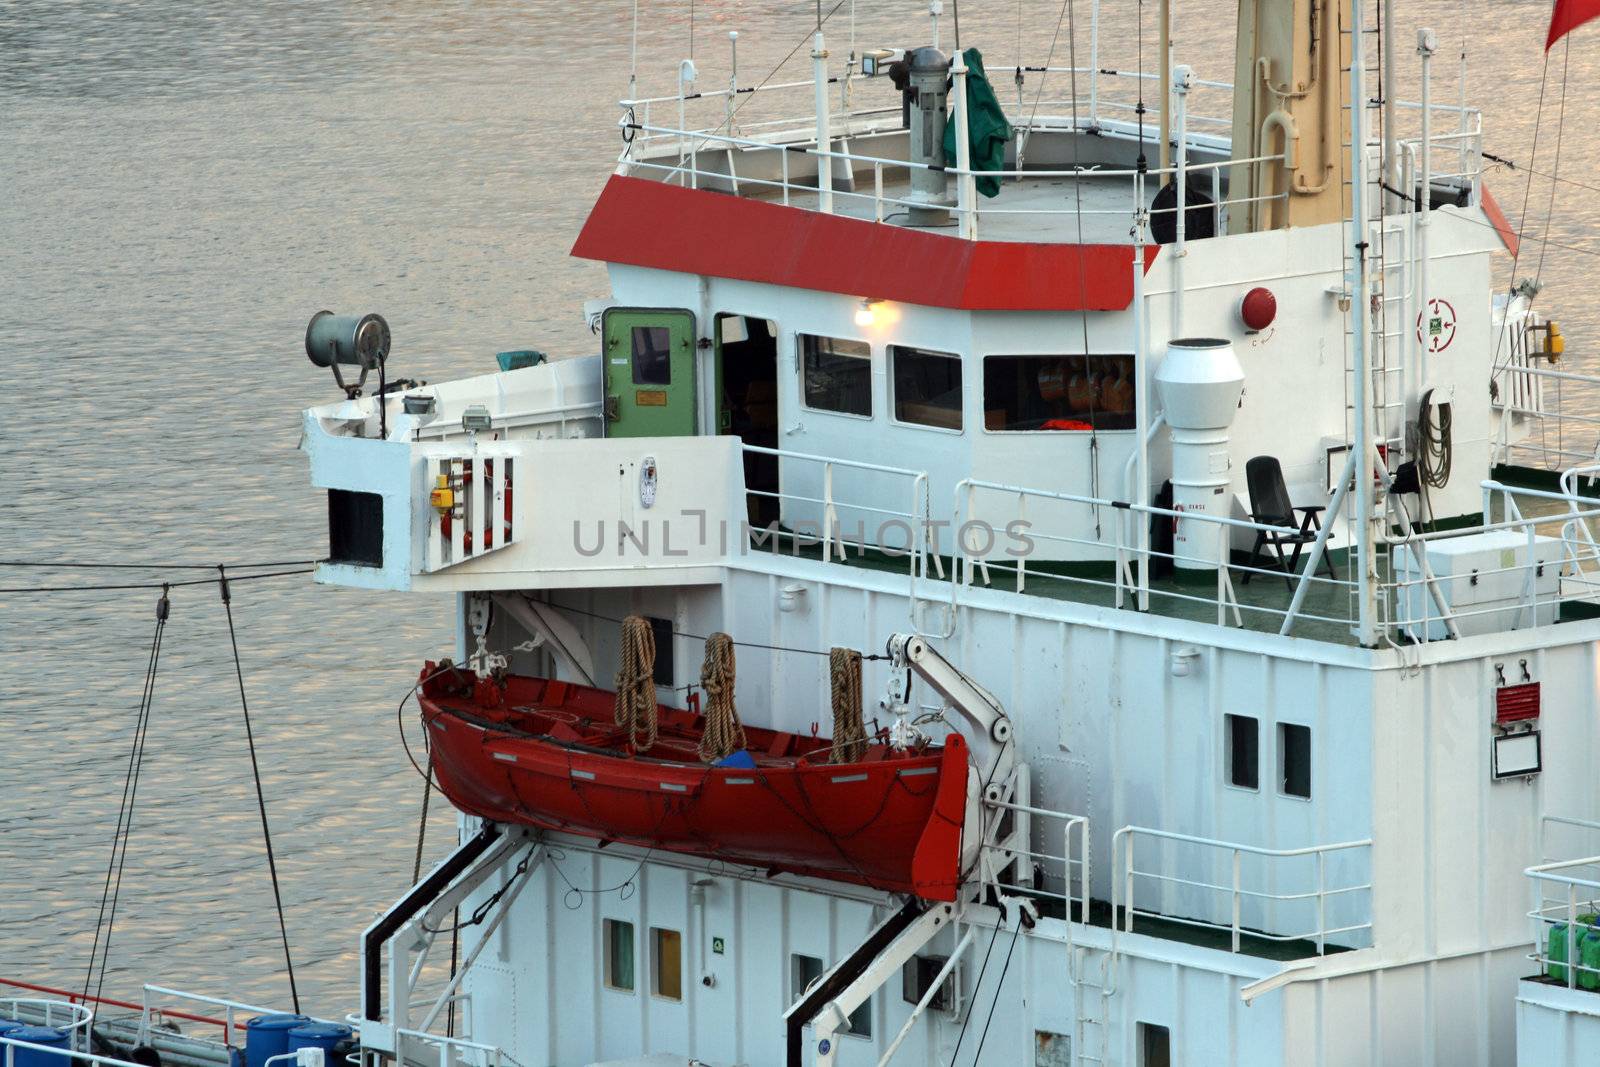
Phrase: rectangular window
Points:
(836, 374)
(1243, 751)
(1071, 393)
(804, 971)
(652, 355)
(1294, 760)
(1155, 1046)
(666, 963)
(619, 955)
(927, 387)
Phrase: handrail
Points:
(229, 1025)
(73, 998)
(1565, 912)
(1124, 874)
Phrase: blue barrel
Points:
(326, 1036)
(266, 1036)
(53, 1036)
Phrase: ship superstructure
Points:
(1193, 540)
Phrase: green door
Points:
(650, 372)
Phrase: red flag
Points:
(1568, 16)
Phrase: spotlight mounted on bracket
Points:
(353, 340)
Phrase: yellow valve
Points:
(443, 498)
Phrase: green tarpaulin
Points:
(987, 128)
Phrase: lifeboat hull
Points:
(546, 753)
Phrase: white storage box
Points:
(1489, 580)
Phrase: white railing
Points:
(75, 1019)
(1248, 909)
(674, 150)
(10, 1048)
(814, 510)
(450, 1051)
(1566, 921)
(155, 999)
(1128, 581)
(1058, 873)
(1558, 438)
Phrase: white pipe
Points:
(1366, 602)
(966, 187)
(819, 77)
(1182, 79)
(1094, 67)
(1424, 204)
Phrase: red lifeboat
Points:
(547, 753)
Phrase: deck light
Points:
(867, 314)
(476, 418)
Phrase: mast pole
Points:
(1361, 356)
(1391, 153)
(819, 75)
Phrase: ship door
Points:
(650, 372)
(747, 404)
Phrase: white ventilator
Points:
(1200, 382)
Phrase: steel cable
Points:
(255, 771)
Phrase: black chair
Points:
(1269, 506)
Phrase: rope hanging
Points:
(724, 733)
(636, 685)
(849, 732)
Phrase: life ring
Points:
(485, 483)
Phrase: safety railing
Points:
(1104, 530)
(793, 186)
(11, 1049)
(74, 1019)
(1040, 853)
(447, 1051)
(155, 1002)
(1331, 904)
(840, 504)
(1557, 438)
(1566, 921)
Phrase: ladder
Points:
(1091, 1036)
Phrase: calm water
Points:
(181, 186)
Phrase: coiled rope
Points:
(849, 732)
(1434, 452)
(636, 685)
(724, 733)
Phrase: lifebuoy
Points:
(484, 481)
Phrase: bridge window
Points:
(619, 955)
(666, 963)
(1070, 393)
(927, 387)
(1294, 760)
(1243, 751)
(836, 374)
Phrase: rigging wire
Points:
(148, 585)
(977, 1057)
(979, 983)
(112, 890)
(1522, 220)
(74, 565)
(1561, 121)
(255, 770)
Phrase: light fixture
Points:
(476, 419)
(867, 313)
